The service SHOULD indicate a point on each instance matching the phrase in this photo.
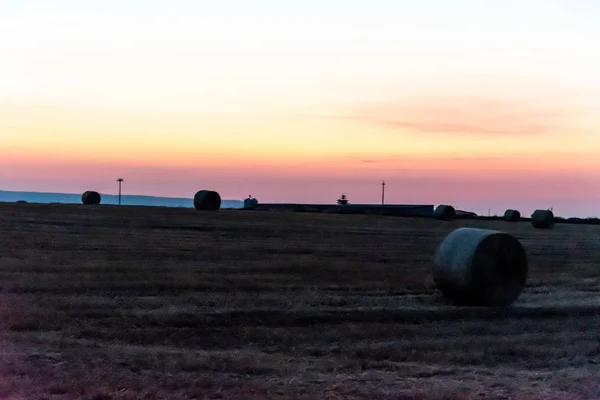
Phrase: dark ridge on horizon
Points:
(111, 199)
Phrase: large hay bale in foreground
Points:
(207, 200)
(91, 197)
(480, 267)
(512, 215)
(444, 212)
(542, 219)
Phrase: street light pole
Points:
(120, 180)
(382, 192)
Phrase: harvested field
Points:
(101, 302)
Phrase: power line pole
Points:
(120, 180)
(382, 193)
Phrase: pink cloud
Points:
(463, 115)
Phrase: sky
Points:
(485, 105)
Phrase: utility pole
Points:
(382, 193)
(120, 180)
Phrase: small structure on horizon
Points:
(120, 180)
(250, 203)
(343, 200)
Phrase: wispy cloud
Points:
(462, 115)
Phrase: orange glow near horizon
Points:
(196, 139)
(274, 145)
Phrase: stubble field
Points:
(108, 302)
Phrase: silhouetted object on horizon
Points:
(207, 200)
(120, 180)
(91, 197)
(382, 193)
(465, 214)
(512, 215)
(250, 203)
(343, 200)
(480, 267)
(542, 219)
(405, 210)
(444, 212)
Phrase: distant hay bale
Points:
(207, 200)
(542, 219)
(512, 215)
(250, 203)
(480, 267)
(444, 212)
(91, 197)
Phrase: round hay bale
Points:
(480, 267)
(542, 219)
(207, 200)
(91, 197)
(249, 203)
(444, 212)
(512, 215)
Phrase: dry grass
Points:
(152, 303)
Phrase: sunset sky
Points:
(480, 104)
